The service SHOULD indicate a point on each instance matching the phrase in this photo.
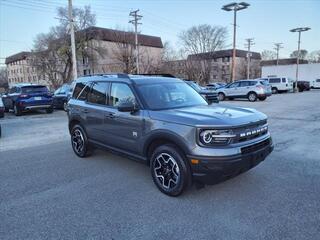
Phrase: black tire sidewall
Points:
(85, 152)
(252, 93)
(223, 96)
(184, 169)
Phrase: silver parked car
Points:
(251, 89)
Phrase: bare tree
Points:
(203, 38)
(303, 54)
(314, 57)
(268, 55)
(3, 78)
(52, 52)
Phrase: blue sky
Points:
(267, 21)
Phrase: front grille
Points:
(255, 147)
(250, 132)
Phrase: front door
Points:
(124, 128)
(232, 90)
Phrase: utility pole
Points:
(73, 45)
(135, 22)
(299, 30)
(277, 48)
(248, 45)
(234, 7)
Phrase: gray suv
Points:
(165, 123)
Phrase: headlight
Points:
(215, 137)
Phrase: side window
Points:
(252, 83)
(283, 80)
(12, 90)
(244, 84)
(274, 80)
(318, 80)
(98, 93)
(121, 93)
(80, 91)
(234, 85)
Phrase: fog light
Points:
(195, 161)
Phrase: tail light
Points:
(260, 87)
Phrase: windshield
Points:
(170, 95)
(195, 86)
(31, 89)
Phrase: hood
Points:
(211, 115)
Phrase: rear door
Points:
(95, 111)
(245, 87)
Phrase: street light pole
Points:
(298, 30)
(234, 7)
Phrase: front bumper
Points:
(212, 170)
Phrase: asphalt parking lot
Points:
(46, 192)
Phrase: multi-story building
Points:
(217, 65)
(105, 51)
(20, 69)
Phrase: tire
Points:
(274, 90)
(262, 98)
(169, 170)
(17, 111)
(79, 142)
(6, 109)
(221, 96)
(252, 96)
(49, 110)
(65, 106)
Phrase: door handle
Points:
(110, 115)
(85, 110)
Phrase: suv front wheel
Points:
(79, 141)
(169, 171)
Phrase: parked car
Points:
(251, 89)
(61, 97)
(316, 83)
(24, 97)
(169, 126)
(2, 109)
(210, 96)
(280, 84)
(302, 86)
(215, 86)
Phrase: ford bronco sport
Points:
(168, 125)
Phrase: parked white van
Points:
(280, 84)
(315, 83)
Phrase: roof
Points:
(222, 54)
(17, 57)
(283, 61)
(112, 35)
(120, 77)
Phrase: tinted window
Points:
(31, 89)
(13, 90)
(244, 84)
(252, 83)
(120, 93)
(170, 95)
(233, 85)
(80, 91)
(98, 93)
(283, 80)
(318, 80)
(274, 80)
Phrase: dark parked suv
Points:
(168, 125)
(24, 97)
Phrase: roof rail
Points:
(118, 75)
(157, 75)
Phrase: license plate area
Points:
(37, 98)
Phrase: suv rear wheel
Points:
(79, 141)
(169, 170)
(252, 96)
(221, 96)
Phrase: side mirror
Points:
(128, 107)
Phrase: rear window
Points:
(274, 80)
(32, 89)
